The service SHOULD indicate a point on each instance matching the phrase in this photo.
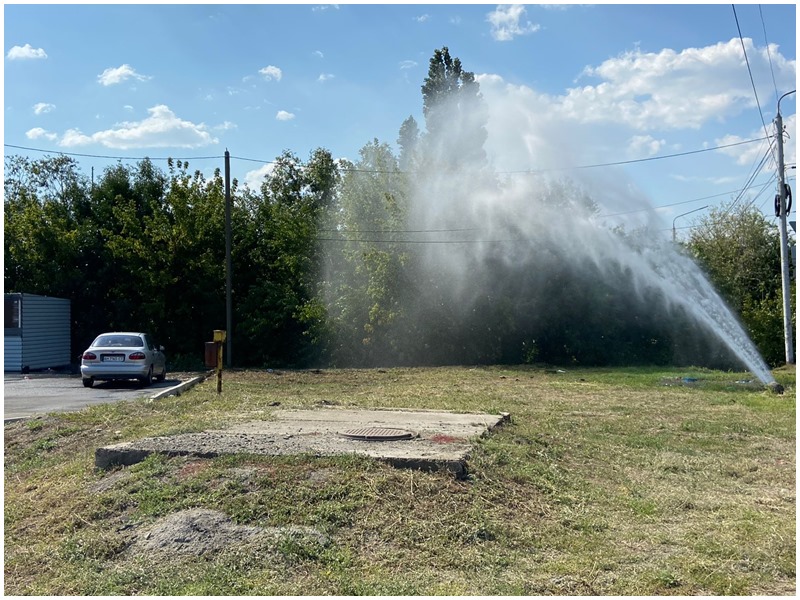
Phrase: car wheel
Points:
(163, 375)
(148, 379)
(88, 381)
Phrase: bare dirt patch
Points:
(199, 531)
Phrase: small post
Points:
(219, 338)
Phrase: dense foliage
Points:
(334, 263)
(740, 250)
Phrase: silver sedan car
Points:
(123, 355)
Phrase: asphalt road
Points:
(27, 395)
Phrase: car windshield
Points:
(118, 341)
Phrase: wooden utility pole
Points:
(228, 261)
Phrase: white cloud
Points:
(128, 107)
(505, 21)
(325, 77)
(41, 108)
(712, 180)
(322, 7)
(25, 52)
(319, 54)
(271, 72)
(532, 130)
(73, 137)
(226, 126)
(644, 145)
(670, 89)
(162, 129)
(422, 18)
(37, 133)
(114, 75)
(254, 179)
(284, 116)
(749, 154)
(407, 64)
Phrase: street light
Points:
(683, 215)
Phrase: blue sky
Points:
(566, 86)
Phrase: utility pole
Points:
(228, 262)
(786, 287)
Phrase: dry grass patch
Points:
(604, 482)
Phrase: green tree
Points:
(408, 141)
(740, 250)
(455, 114)
(42, 238)
(368, 272)
(280, 319)
(45, 241)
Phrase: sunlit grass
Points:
(612, 481)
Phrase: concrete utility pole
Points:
(787, 301)
(228, 262)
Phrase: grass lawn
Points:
(605, 482)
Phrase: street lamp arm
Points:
(683, 215)
(782, 97)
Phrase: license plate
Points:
(113, 358)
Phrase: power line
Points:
(399, 230)
(752, 177)
(399, 172)
(373, 241)
(637, 160)
(110, 157)
(769, 55)
(750, 72)
(627, 212)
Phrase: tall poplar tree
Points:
(455, 114)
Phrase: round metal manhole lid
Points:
(378, 434)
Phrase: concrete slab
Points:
(442, 440)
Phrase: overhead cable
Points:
(399, 172)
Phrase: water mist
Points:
(482, 219)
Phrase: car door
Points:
(159, 360)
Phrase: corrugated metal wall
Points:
(45, 332)
(12, 353)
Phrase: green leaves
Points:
(740, 250)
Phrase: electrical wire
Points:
(749, 70)
(627, 212)
(769, 55)
(750, 179)
(399, 172)
(636, 160)
(111, 157)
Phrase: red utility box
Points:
(211, 354)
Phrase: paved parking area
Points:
(28, 395)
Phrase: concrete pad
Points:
(442, 440)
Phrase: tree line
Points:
(322, 274)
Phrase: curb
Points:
(179, 389)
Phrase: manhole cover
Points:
(378, 434)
